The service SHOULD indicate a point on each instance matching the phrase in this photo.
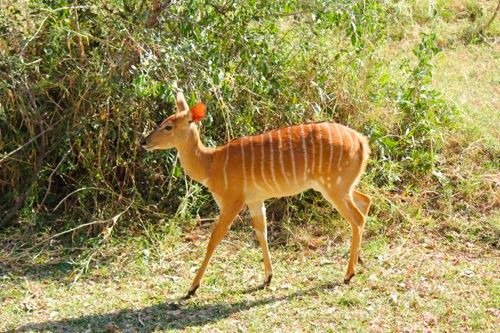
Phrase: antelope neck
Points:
(195, 158)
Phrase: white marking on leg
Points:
(257, 211)
(226, 160)
(245, 185)
(304, 148)
(292, 158)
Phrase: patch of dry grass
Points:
(469, 76)
(413, 283)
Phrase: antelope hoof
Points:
(191, 292)
(267, 281)
(348, 278)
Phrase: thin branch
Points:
(34, 35)
(52, 174)
(67, 7)
(82, 189)
(114, 219)
(483, 29)
(4, 157)
(76, 24)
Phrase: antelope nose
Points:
(143, 141)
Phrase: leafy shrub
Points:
(81, 82)
(425, 117)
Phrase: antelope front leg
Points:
(258, 213)
(228, 213)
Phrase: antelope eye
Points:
(168, 127)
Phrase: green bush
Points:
(82, 81)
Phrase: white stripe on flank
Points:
(341, 145)
(304, 148)
(262, 159)
(330, 146)
(225, 167)
(273, 172)
(282, 164)
(311, 136)
(292, 158)
(243, 165)
(252, 166)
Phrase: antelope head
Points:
(175, 129)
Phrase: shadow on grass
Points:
(42, 271)
(21, 257)
(168, 315)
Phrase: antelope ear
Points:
(181, 103)
(197, 112)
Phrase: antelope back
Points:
(285, 161)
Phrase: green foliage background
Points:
(82, 81)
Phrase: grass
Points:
(468, 76)
(410, 282)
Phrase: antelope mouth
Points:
(148, 147)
